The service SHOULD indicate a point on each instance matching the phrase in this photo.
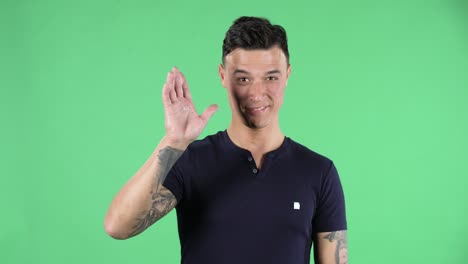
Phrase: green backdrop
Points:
(380, 87)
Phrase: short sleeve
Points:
(330, 214)
(174, 181)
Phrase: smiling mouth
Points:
(256, 110)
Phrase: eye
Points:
(271, 78)
(243, 80)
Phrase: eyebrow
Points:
(274, 72)
(241, 71)
(246, 72)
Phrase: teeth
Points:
(259, 108)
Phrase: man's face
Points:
(255, 81)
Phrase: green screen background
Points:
(380, 87)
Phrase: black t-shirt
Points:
(229, 211)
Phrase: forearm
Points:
(141, 202)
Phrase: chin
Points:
(256, 121)
(255, 124)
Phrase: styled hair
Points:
(253, 33)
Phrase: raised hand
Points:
(182, 122)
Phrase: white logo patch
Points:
(297, 206)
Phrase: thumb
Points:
(209, 112)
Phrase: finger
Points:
(209, 112)
(166, 91)
(185, 87)
(170, 84)
(165, 95)
(178, 83)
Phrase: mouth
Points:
(256, 110)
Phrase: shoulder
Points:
(207, 142)
(206, 146)
(308, 157)
(199, 152)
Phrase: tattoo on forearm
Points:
(162, 199)
(341, 252)
(167, 157)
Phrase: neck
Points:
(256, 140)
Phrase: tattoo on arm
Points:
(167, 158)
(341, 252)
(162, 199)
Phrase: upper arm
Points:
(331, 247)
(163, 202)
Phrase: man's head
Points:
(251, 33)
(255, 71)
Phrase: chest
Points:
(279, 196)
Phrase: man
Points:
(247, 194)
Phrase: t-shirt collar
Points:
(229, 145)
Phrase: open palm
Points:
(182, 122)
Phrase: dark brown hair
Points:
(252, 33)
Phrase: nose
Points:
(256, 91)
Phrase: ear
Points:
(221, 75)
(288, 73)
